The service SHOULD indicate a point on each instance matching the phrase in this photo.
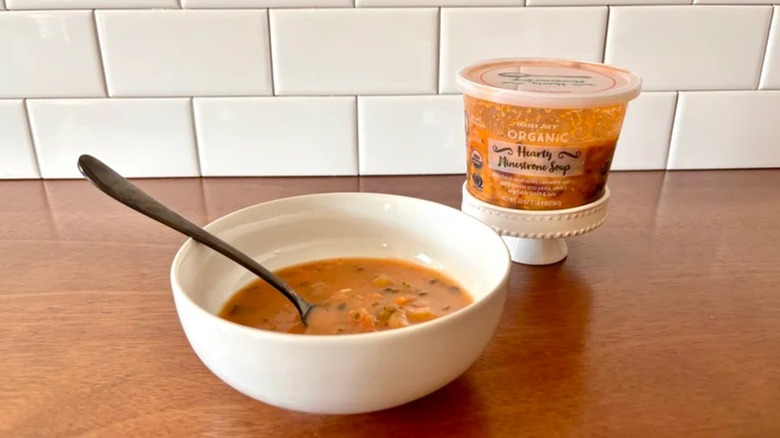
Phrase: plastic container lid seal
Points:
(548, 83)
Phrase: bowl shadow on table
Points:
(454, 410)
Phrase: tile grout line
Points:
(100, 54)
(769, 35)
(357, 136)
(672, 131)
(438, 53)
(271, 62)
(285, 96)
(33, 143)
(198, 156)
(606, 35)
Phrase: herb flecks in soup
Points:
(353, 295)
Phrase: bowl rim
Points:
(178, 291)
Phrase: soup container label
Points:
(521, 159)
(541, 134)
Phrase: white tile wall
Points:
(344, 87)
(690, 47)
(411, 135)
(770, 77)
(354, 51)
(90, 4)
(644, 140)
(140, 138)
(278, 136)
(185, 53)
(605, 2)
(468, 35)
(223, 4)
(404, 3)
(49, 54)
(17, 158)
(734, 2)
(737, 129)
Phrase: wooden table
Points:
(664, 322)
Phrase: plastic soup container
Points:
(541, 133)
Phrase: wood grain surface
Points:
(664, 322)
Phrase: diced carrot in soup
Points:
(352, 295)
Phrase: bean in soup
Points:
(353, 295)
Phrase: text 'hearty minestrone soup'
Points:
(352, 295)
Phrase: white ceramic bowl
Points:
(340, 374)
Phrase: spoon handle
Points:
(119, 188)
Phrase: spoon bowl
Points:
(115, 185)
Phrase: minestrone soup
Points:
(352, 295)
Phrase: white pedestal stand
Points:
(537, 237)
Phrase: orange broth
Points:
(352, 295)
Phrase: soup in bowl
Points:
(408, 294)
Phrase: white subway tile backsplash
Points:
(17, 158)
(734, 2)
(736, 129)
(605, 2)
(354, 51)
(224, 4)
(689, 47)
(347, 87)
(52, 54)
(90, 4)
(139, 137)
(276, 136)
(770, 77)
(405, 3)
(644, 139)
(185, 52)
(411, 135)
(472, 34)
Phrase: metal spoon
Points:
(116, 186)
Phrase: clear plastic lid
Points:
(548, 83)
